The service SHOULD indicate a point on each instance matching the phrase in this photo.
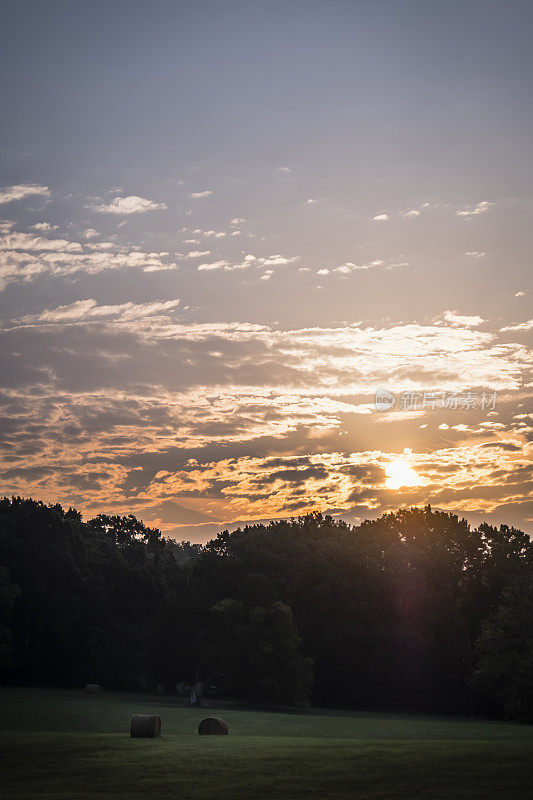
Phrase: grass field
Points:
(65, 744)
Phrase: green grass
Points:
(64, 744)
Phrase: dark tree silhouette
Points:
(384, 615)
(503, 676)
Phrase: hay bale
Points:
(93, 688)
(145, 726)
(213, 726)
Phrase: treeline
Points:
(415, 610)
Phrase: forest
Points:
(413, 611)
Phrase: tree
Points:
(387, 612)
(503, 676)
(9, 592)
(255, 653)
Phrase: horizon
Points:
(257, 262)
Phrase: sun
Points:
(399, 473)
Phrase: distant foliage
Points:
(504, 671)
(414, 610)
(256, 653)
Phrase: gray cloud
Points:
(20, 191)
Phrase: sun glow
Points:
(399, 473)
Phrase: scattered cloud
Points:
(24, 257)
(381, 218)
(89, 309)
(414, 213)
(44, 227)
(350, 266)
(521, 326)
(475, 253)
(20, 191)
(462, 320)
(210, 233)
(198, 253)
(475, 211)
(133, 204)
(26, 241)
(213, 265)
(200, 195)
(276, 260)
(248, 261)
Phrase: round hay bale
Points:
(93, 688)
(213, 726)
(144, 726)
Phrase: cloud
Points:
(475, 254)
(198, 253)
(44, 226)
(349, 266)
(276, 260)
(125, 407)
(27, 242)
(89, 309)
(381, 218)
(521, 326)
(100, 246)
(24, 257)
(480, 208)
(462, 320)
(249, 261)
(19, 191)
(335, 361)
(200, 195)
(414, 213)
(210, 233)
(213, 265)
(128, 205)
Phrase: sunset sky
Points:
(225, 226)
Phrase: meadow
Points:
(65, 744)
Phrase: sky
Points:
(261, 259)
